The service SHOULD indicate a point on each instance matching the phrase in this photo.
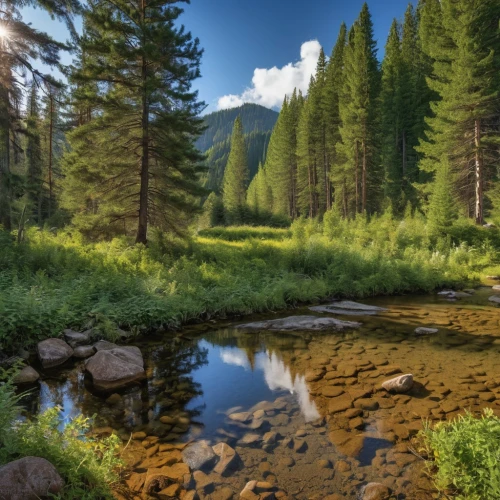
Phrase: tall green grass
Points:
(51, 282)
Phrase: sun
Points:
(4, 32)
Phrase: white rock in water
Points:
(495, 299)
(421, 330)
(400, 384)
(298, 323)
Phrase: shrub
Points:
(465, 454)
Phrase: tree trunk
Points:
(363, 194)
(142, 229)
(51, 131)
(5, 218)
(478, 212)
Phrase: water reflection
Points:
(276, 375)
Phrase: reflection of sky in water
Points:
(276, 375)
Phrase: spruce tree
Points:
(235, 175)
(143, 154)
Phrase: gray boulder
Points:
(199, 455)
(27, 375)
(114, 368)
(74, 339)
(298, 323)
(84, 351)
(29, 478)
(349, 308)
(495, 299)
(53, 352)
(400, 384)
(104, 345)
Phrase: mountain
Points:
(258, 123)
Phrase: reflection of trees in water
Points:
(170, 385)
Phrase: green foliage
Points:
(466, 453)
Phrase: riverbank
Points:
(54, 281)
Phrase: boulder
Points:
(496, 288)
(375, 491)
(493, 278)
(29, 478)
(104, 345)
(400, 384)
(74, 339)
(199, 455)
(27, 375)
(298, 323)
(83, 351)
(451, 294)
(348, 307)
(53, 352)
(113, 368)
(495, 299)
(425, 331)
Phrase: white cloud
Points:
(269, 86)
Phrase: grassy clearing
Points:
(51, 282)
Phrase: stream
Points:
(279, 399)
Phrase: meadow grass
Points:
(54, 281)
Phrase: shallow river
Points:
(304, 411)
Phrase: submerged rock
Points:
(228, 458)
(199, 455)
(113, 368)
(29, 478)
(425, 331)
(53, 352)
(451, 294)
(27, 375)
(298, 323)
(400, 384)
(375, 491)
(348, 307)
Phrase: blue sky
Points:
(240, 36)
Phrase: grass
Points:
(54, 281)
(465, 453)
(88, 467)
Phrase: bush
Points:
(465, 455)
(88, 467)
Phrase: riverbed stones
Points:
(27, 375)
(400, 384)
(158, 479)
(114, 368)
(228, 458)
(83, 351)
(29, 478)
(53, 352)
(340, 403)
(375, 491)
(75, 339)
(199, 456)
(301, 323)
(421, 330)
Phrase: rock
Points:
(425, 331)
(27, 375)
(228, 458)
(224, 493)
(340, 403)
(83, 351)
(241, 417)
(375, 491)
(199, 455)
(495, 299)
(400, 384)
(250, 439)
(75, 339)
(53, 352)
(114, 368)
(324, 463)
(103, 345)
(348, 308)
(29, 478)
(136, 481)
(170, 492)
(159, 479)
(496, 288)
(493, 278)
(332, 391)
(299, 323)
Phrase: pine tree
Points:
(358, 114)
(236, 175)
(143, 134)
(463, 131)
(442, 207)
(306, 192)
(333, 86)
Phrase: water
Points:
(292, 384)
